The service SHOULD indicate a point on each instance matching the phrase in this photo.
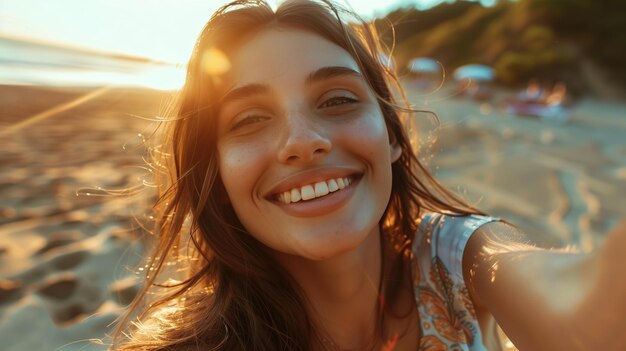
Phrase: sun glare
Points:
(163, 78)
(215, 62)
(144, 44)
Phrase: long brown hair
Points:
(230, 293)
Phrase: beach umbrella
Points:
(474, 72)
(424, 65)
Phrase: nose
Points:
(303, 140)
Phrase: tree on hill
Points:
(598, 27)
(524, 39)
(410, 21)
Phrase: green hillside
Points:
(545, 39)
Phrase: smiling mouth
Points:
(314, 191)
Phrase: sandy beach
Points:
(69, 256)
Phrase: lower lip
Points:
(322, 205)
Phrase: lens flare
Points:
(215, 62)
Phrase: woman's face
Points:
(304, 151)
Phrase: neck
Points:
(343, 293)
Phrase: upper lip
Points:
(307, 177)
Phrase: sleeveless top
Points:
(447, 316)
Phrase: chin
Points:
(334, 246)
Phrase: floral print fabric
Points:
(447, 316)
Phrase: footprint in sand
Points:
(69, 298)
(124, 291)
(69, 260)
(10, 291)
(59, 239)
(59, 289)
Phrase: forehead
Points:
(284, 56)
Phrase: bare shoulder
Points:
(490, 240)
(503, 237)
(506, 272)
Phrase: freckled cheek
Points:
(240, 167)
(370, 133)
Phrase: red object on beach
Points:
(547, 112)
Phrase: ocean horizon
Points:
(28, 62)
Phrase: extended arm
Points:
(550, 299)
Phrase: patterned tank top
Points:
(447, 316)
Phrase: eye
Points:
(248, 120)
(338, 101)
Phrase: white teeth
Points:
(332, 186)
(321, 189)
(295, 195)
(318, 189)
(307, 192)
(340, 183)
(287, 197)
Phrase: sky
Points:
(163, 30)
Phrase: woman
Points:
(297, 216)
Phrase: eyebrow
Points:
(325, 73)
(244, 91)
(316, 76)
